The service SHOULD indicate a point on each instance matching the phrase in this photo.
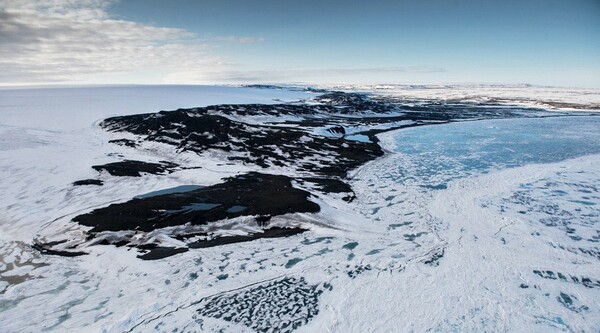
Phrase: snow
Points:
(587, 99)
(49, 139)
(490, 250)
(75, 108)
(401, 257)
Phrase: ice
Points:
(434, 155)
(469, 226)
(494, 236)
(176, 189)
(192, 207)
(78, 107)
(358, 137)
(547, 97)
(48, 140)
(236, 209)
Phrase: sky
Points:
(542, 42)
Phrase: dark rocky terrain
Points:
(252, 194)
(200, 130)
(313, 144)
(136, 168)
(88, 182)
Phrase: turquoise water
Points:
(434, 155)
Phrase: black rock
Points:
(337, 130)
(124, 142)
(200, 130)
(162, 252)
(46, 248)
(253, 194)
(88, 182)
(274, 232)
(136, 168)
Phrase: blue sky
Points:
(546, 42)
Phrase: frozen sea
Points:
(489, 225)
(435, 155)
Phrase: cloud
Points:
(296, 75)
(78, 41)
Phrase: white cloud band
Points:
(78, 41)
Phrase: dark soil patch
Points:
(199, 130)
(261, 194)
(162, 252)
(124, 142)
(88, 182)
(274, 232)
(133, 168)
(331, 185)
(46, 248)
